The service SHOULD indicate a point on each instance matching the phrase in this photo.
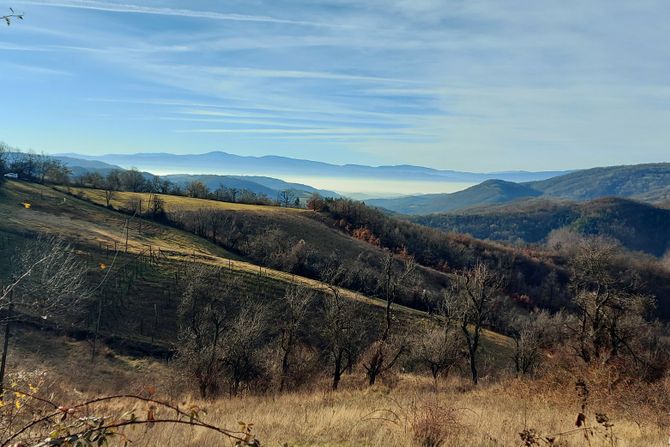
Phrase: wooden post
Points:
(153, 334)
(5, 345)
(97, 329)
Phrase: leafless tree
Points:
(155, 206)
(8, 18)
(608, 302)
(342, 331)
(3, 160)
(132, 180)
(286, 198)
(315, 202)
(202, 313)
(48, 280)
(438, 349)
(295, 303)
(387, 349)
(527, 336)
(243, 339)
(197, 189)
(469, 302)
(216, 343)
(109, 196)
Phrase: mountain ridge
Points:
(649, 182)
(273, 165)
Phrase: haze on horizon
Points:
(473, 86)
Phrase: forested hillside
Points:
(636, 225)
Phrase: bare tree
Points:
(315, 202)
(197, 189)
(4, 149)
(527, 344)
(286, 198)
(8, 18)
(342, 331)
(243, 338)
(295, 303)
(438, 349)
(132, 180)
(202, 313)
(156, 206)
(386, 350)
(469, 302)
(609, 306)
(215, 342)
(48, 280)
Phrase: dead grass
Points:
(121, 200)
(413, 412)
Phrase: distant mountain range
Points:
(647, 182)
(636, 225)
(275, 166)
(257, 184)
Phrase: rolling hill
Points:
(140, 295)
(648, 182)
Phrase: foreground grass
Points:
(402, 410)
(411, 414)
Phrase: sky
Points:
(477, 85)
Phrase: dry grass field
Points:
(404, 410)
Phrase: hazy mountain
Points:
(636, 225)
(648, 182)
(225, 163)
(259, 185)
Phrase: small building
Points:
(13, 175)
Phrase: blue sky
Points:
(480, 85)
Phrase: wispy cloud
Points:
(478, 85)
(177, 12)
(34, 69)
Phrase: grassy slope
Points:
(90, 225)
(288, 219)
(254, 219)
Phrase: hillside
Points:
(490, 192)
(637, 226)
(98, 230)
(146, 271)
(648, 182)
